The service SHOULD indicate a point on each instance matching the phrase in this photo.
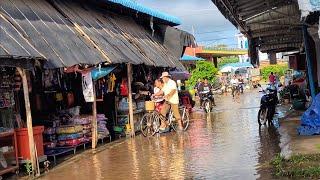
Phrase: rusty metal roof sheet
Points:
(66, 33)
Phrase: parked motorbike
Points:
(241, 87)
(207, 101)
(268, 105)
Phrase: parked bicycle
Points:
(150, 122)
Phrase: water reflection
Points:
(226, 144)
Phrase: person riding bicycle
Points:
(205, 87)
(171, 96)
(235, 85)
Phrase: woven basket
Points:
(149, 106)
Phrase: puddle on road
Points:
(227, 144)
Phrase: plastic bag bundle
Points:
(69, 129)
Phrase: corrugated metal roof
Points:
(13, 43)
(146, 10)
(53, 31)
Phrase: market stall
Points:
(15, 114)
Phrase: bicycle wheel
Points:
(148, 125)
(262, 116)
(184, 118)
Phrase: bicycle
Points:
(150, 122)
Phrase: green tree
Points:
(279, 69)
(203, 70)
(226, 60)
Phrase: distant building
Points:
(243, 44)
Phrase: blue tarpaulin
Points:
(310, 121)
(98, 73)
(191, 58)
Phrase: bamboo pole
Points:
(129, 71)
(23, 75)
(94, 120)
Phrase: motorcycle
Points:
(241, 87)
(268, 105)
(207, 99)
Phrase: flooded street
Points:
(226, 144)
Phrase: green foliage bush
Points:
(203, 70)
(227, 60)
(279, 69)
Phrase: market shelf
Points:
(9, 169)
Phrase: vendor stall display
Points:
(68, 130)
(8, 152)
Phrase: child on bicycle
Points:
(158, 99)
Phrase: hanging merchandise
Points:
(6, 99)
(124, 87)
(111, 82)
(87, 87)
(17, 80)
(29, 81)
(50, 79)
(70, 99)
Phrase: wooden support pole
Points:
(309, 62)
(129, 71)
(94, 120)
(23, 75)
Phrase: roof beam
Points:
(282, 42)
(249, 13)
(230, 9)
(283, 36)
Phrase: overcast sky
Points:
(210, 26)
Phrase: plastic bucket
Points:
(23, 142)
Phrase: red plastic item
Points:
(186, 102)
(23, 142)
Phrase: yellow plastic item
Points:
(149, 106)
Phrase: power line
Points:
(209, 32)
(208, 40)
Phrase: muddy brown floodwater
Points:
(226, 144)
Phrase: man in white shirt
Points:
(235, 85)
(171, 96)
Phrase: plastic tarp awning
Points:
(98, 73)
(191, 58)
(235, 66)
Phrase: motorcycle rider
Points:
(241, 83)
(235, 85)
(206, 86)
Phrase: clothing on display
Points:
(87, 87)
(111, 82)
(124, 87)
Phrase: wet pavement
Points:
(226, 144)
